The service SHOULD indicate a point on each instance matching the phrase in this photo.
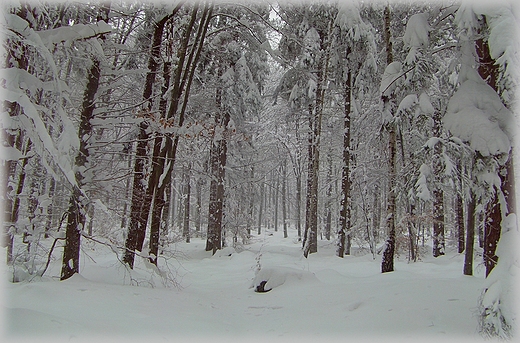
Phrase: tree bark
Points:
(198, 206)
(411, 235)
(387, 263)
(310, 243)
(218, 173)
(438, 193)
(459, 212)
(276, 194)
(470, 234)
(284, 197)
(11, 138)
(345, 213)
(187, 198)
(141, 201)
(489, 71)
(77, 207)
(328, 204)
(260, 210)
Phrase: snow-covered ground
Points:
(322, 298)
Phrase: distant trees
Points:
(166, 119)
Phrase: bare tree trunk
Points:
(470, 234)
(218, 173)
(76, 214)
(198, 206)
(284, 197)
(387, 263)
(310, 243)
(493, 223)
(141, 199)
(438, 193)
(298, 175)
(298, 207)
(166, 218)
(183, 78)
(11, 138)
(310, 234)
(345, 212)
(250, 218)
(187, 198)
(459, 211)
(489, 72)
(260, 210)
(411, 234)
(276, 194)
(376, 214)
(328, 206)
(50, 209)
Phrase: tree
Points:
(140, 196)
(76, 214)
(391, 72)
(358, 39)
(477, 103)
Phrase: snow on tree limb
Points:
(391, 74)
(417, 30)
(477, 115)
(69, 34)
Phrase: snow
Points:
(476, 115)
(498, 301)
(407, 103)
(391, 74)
(421, 186)
(425, 104)
(322, 296)
(466, 19)
(417, 29)
(10, 153)
(68, 34)
(349, 20)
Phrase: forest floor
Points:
(322, 297)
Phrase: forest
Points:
(383, 129)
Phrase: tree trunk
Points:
(387, 263)
(260, 210)
(187, 199)
(411, 235)
(493, 223)
(310, 235)
(310, 242)
(328, 205)
(459, 211)
(198, 207)
(166, 216)
(470, 234)
(250, 219)
(376, 214)
(438, 193)
(489, 71)
(76, 214)
(217, 192)
(345, 213)
(141, 201)
(284, 197)
(11, 138)
(276, 194)
(298, 207)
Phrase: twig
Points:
(50, 254)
